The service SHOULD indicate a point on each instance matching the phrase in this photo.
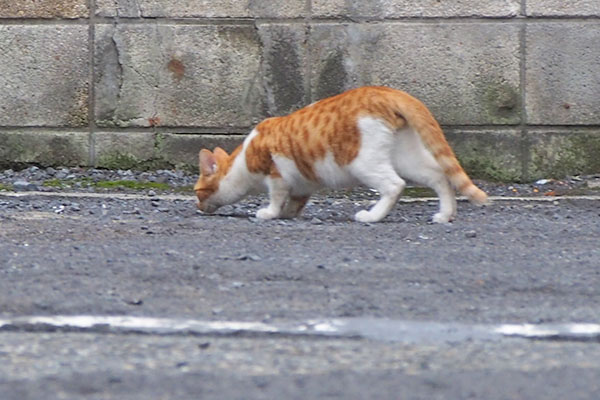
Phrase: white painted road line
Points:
(379, 329)
(552, 331)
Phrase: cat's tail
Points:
(420, 118)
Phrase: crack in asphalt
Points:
(378, 329)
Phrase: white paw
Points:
(265, 213)
(440, 218)
(365, 217)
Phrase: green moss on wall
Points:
(488, 169)
(556, 155)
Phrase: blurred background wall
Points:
(147, 83)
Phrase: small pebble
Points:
(251, 257)
(135, 302)
(24, 186)
(471, 234)
(594, 184)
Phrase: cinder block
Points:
(148, 150)
(485, 154)
(181, 150)
(125, 150)
(178, 75)
(44, 75)
(381, 9)
(467, 74)
(201, 9)
(284, 67)
(556, 153)
(562, 8)
(119, 8)
(44, 9)
(562, 73)
(44, 148)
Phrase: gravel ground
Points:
(514, 233)
(510, 261)
(141, 368)
(163, 181)
(113, 254)
(95, 180)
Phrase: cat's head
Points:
(213, 167)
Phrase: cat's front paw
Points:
(365, 217)
(265, 213)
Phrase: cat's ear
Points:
(220, 154)
(208, 162)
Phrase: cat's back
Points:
(330, 124)
(366, 100)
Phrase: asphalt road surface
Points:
(117, 297)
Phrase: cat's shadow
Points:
(313, 214)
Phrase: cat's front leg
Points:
(279, 193)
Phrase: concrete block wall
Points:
(147, 83)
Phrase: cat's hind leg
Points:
(428, 173)
(373, 167)
(279, 194)
(447, 198)
(414, 162)
(389, 185)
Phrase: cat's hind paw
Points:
(266, 213)
(365, 217)
(440, 218)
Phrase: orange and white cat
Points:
(373, 136)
